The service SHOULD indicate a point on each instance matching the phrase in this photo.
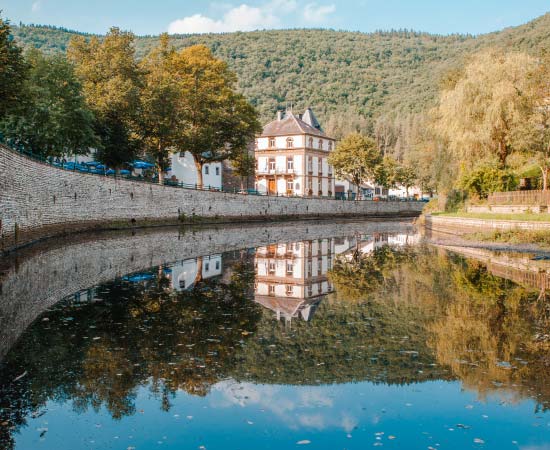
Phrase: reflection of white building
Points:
(185, 274)
(291, 279)
(185, 171)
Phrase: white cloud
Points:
(240, 18)
(247, 18)
(316, 13)
(36, 6)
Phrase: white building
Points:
(184, 170)
(292, 157)
(291, 279)
(185, 274)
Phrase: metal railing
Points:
(529, 198)
(80, 168)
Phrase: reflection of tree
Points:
(98, 354)
(397, 316)
(356, 277)
(488, 336)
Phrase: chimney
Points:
(279, 115)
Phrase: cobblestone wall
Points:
(37, 200)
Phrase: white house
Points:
(292, 157)
(183, 168)
(190, 271)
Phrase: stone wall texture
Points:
(39, 276)
(38, 200)
(459, 225)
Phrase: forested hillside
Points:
(349, 78)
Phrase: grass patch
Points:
(538, 237)
(529, 217)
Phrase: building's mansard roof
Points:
(291, 124)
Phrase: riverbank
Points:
(38, 200)
(505, 232)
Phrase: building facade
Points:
(184, 170)
(292, 157)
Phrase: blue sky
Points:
(153, 17)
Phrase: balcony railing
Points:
(278, 171)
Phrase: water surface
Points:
(363, 336)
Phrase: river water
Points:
(346, 336)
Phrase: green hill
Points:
(346, 76)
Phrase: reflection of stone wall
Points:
(38, 277)
(37, 200)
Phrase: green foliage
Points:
(356, 158)
(13, 69)
(161, 118)
(220, 123)
(52, 118)
(487, 178)
(350, 78)
(111, 83)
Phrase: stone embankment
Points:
(37, 277)
(459, 226)
(38, 200)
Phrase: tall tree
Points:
(111, 82)
(13, 69)
(536, 130)
(244, 165)
(52, 118)
(356, 158)
(479, 111)
(220, 122)
(161, 119)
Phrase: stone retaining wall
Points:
(459, 225)
(38, 200)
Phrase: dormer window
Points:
(289, 142)
(320, 144)
(272, 142)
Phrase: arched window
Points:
(320, 144)
(329, 146)
(289, 142)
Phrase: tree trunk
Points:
(544, 171)
(199, 165)
(159, 163)
(242, 183)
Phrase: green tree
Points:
(220, 122)
(111, 82)
(244, 165)
(161, 118)
(356, 158)
(52, 118)
(487, 178)
(13, 70)
(478, 114)
(406, 176)
(536, 130)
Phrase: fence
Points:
(528, 198)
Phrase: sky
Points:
(202, 16)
